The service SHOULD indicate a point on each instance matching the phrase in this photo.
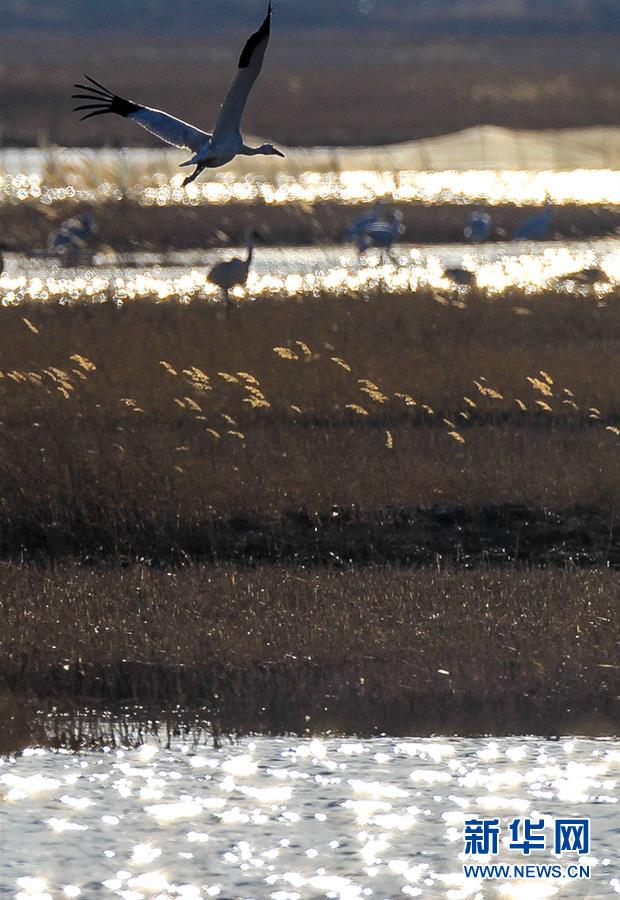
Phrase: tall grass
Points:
(293, 649)
(134, 427)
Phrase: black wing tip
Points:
(97, 84)
(103, 100)
(255, 39)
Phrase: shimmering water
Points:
(466, 170)
(290, 818)
(293, 272)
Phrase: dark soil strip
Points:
(501, 535)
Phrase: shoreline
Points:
(279, 649)
(125, 226)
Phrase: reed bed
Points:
(159, 428)
(281, 649)
(125, 226)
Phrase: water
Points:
(288, 272)
(293, 818)
(487, 165)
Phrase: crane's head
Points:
(269, 150)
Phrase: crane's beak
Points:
(278, 152)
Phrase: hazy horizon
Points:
(397, 16)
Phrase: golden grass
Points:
(138, 426)
(293, 649)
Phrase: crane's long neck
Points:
(254, 151)
(250, 248)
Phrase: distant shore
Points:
(127, 227)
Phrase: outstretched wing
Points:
(165, 127)
(250, 64)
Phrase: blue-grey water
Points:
(299, 818)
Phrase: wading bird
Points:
(381, 233)
(72, 242)
(357, 227)
(479, 226)
(232, 272)
(460, 275)
(536, 227)
(589, 276)
(210, 150)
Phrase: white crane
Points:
(359, 225)
(73, 235)
(380, 233)
(72, 242)
(210, 150)
(479, 227)
(229, 273)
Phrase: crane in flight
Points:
(210, 150)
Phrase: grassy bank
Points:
(280, 649)
(126, 226)
(160, 429)
(335, 434)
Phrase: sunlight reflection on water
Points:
(156, 188)
(302, 271)
(290, 818)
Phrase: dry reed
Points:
(144, 426)
(293, 649)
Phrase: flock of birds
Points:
(379, 229)
(73, 243)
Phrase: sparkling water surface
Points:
(290, 272)
(298, 818)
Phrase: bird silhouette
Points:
(210, 150)
(229, 273)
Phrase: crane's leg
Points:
(191, 177)
(199, 168)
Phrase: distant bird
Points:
(381, 233)
(593, 275)
(73, 236)
(459, 275)
(535, 227)
(479, 227)
(231, 272)
(210, 150)
(359, 225)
